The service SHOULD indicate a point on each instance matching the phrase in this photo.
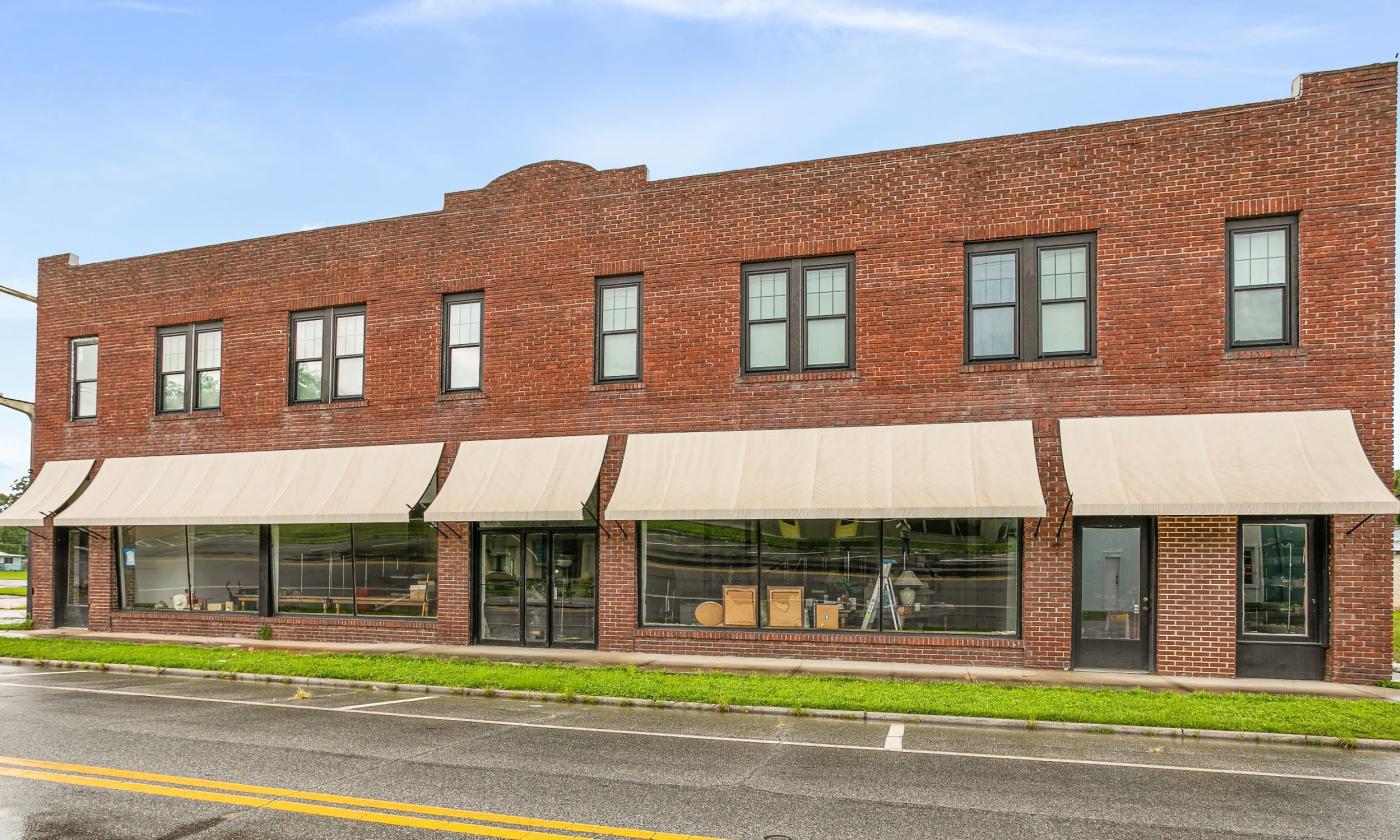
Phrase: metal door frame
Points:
(1147, 596)
(477, 581)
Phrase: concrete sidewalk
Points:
(746, 664)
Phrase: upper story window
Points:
(1030, 299)
(82, 398)
(618, 343)
(1261, 302)
(799, 315)
(328, 354)
(461, 342)
(190, 367)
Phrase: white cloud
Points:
(145, 6)
(430, 12)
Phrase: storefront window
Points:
(224, 567)
(314, 572)
(368, 570)
(155, 568)
(202, 567)
(1274, 581)
(940, 575)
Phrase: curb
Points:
(890, 717)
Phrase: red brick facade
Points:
(1156, 191)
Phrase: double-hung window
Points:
(799, 315)
(328, 354)
(82, 399)
(618, 344)
(1261, 301)
(190, 361)
(1030, 299)
(461, 342)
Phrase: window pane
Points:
(464, 323)
(224, 567)
(172, 353)
(501, 569)
(993, 332)
(619, 308)
(396, 569)
(87, 399)
(466, 367)
(309, 380)
(154, 568)
(1259, 314)
(313, 569)
(350, 377)
(85, 361)
(768, 345)
(349, 335)
(826, 292)
(688, 566)
(209, 349)
(820, 573)
(309, 338)
(767, 296)
(953, 575)
(1064, 273)
(575, 560)
(78, 556)
(826, 342)
(619, 355)
(1110, 581)
(210, 388)
(1260, 258)
(1062, 327)
(993, 278)
(1274, 578)
(172, 392)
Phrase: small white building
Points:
(11, 562)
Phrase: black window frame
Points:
(1261, 224)
(600, 285)
(445, 360)
(329, 317)
(1319, 534)
(796, 314)
(74, 382)
(1028, 304)
(192, 370)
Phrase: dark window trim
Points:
(1289, 224)
(192, 370)
(600, 284)
(1028, 303)
(1017, 635)
(329, 318)
(796, 272)
(445, 360)
(1320, 550)
(474, 579)
(74, 381)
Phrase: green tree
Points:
(14, 540)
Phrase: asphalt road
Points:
(99, 755)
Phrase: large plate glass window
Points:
(1276, 589)
(815, 294)
(461, 342)
(190, 367)
(213, 568)
(381, 569)
(618, 344)
(83, 365)
(1263, 287)
(328, 354)
(1030, 299)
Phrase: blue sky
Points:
(129, 127)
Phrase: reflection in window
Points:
(224, 567)
(366, 569)
(313, 572)
(83, 399)
(953, 575)
(992, 293)
(619, 328)
(1274, 581)
(691, 566)
(834, 563)
(1110, 583)
(202, 567)
(155, 567)
(499, 591)
(462, 342)
(77, 568)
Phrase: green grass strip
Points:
(13, 590)
(13, 575)
(1347, 719)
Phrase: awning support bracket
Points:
(34, 533)
(601, 524)
(91, 533)
(436, 527)
(1064, 516)
(1359, 524)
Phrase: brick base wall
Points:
(1196, 598)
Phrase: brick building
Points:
(1114, 396)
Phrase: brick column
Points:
(454, 592)
(103, 591)
(1048, 566)
(617, 562)
(1360, 628)
(41, 559)
(1196, 597)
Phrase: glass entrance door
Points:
(537, 587)
(1112, 594)
(71, 572)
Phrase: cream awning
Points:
(944, 470)
(349, 484)
(52, 488)
(520, 480)
(1288, 463)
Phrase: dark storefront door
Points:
(1113, 594)
(1283, 599)
(71, 577)
(537, 587)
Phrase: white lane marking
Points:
(387, 702)
(9, 674)
(894, 741)
(1032, 759)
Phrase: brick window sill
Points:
(1246, 354)
(171, 416)
(461, 396)
(629, 385)
(799, 376)
(83, 421)
(330, 406)
(822, 637)
(1095, 363)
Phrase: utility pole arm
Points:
(25, 408)
(17, 293)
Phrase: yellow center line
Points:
(230, 793)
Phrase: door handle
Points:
(1146, 603)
